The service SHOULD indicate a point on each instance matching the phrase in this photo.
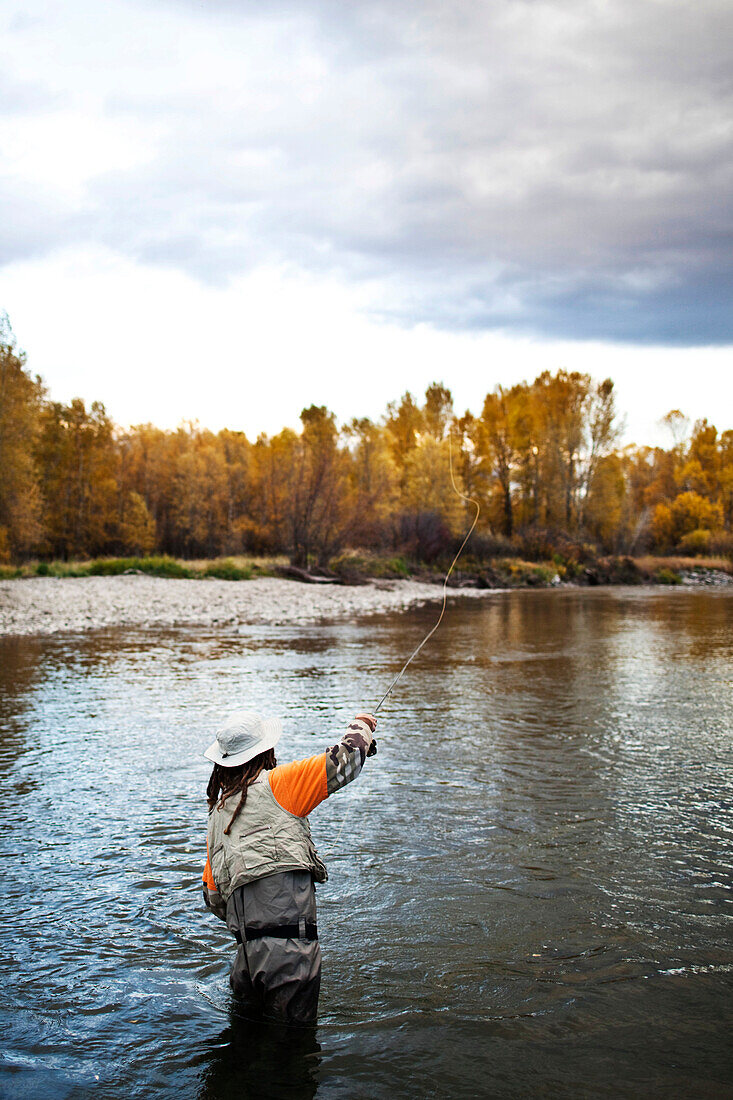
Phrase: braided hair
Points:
(225, 782)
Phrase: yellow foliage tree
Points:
(688, 512)
(78, 460)
(428, 482)
(373, 478)
(21, 399)
(603, 509)
(137, 526)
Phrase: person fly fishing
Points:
(262, 864)
(261, 861)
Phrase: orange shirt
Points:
(298, 787)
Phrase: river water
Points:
(531, 894)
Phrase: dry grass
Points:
(262, 565)
(651, 564)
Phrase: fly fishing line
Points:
(428, 636)
(430, 633)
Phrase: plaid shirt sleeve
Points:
(345, 760)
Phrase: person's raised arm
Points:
(345, 760)
(301, 786)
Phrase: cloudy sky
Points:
(227, 209)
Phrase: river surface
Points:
(531, 895)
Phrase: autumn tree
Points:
(77, 461)
(600, 438)
(316, 507)
(688, 489)
(687, 513)
(137, 534)
(146, 458)
(198, 504)
(677, 424)
(500, 434)
(373, 478)
(465, 431)
(268, 524)
(404, 422)
(236, 451)
(699, 468)
(429, 485)
(603, 507)
(561, 401)
(426, 485)
(21, 402)
(726, 478)
(437, 410)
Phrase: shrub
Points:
(721, 543)
(695, 542)
(108, 567)
(486, 547)
(538, 543)
(568, 570)
(622, 571)
(350, 568)
(689, 512)
(540, 575)
(424, 536)
(355, 567)
(158, 567)
(161, 567)
(227, 570)
(391, 567)
(667, 576)
(519, 572)
(553, 544)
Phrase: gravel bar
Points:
(49, 605)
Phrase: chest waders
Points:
(265, 870)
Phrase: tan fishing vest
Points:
(264, 840)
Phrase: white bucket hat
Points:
(242, 735)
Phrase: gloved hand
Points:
(371, 721)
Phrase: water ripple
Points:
(533, 894)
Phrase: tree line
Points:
(542, 458)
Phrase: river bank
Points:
(50, 605)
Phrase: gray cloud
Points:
(31, 225)
(549, 166)
(19, 97)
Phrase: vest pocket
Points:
(219, 867)
(255, 850)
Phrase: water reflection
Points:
(252, 1058)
